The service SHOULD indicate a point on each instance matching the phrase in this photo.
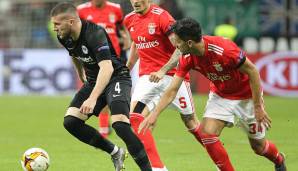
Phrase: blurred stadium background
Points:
(37, 81)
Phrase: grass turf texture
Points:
(34, 121)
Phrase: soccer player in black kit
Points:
(106, 82)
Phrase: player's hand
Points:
(262, 116)
(156, 76)
(148, 123)
(88, 106)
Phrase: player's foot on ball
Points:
(282, 166)
(118, 159)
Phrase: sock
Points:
(147, 139)
(271, 152)
(134, 145)
(87, 134)
(217, 152)
(103, 119)
(196, 133)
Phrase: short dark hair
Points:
(63, 7)
(187, 29)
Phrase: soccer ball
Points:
(35, 159)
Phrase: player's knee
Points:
(190, 121)
(70, 123)
(120, 127)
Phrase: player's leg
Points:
(217, 115)
(184, 104)
(256, 135)
(119, 106)
(74, 123)
(142, 98)
(266, 148)
(210, 130)
(103, 122)
(147, 138)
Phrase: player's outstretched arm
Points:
(103, 78)
(255, 84)
(156, 76)
(133, 56)
(168, 96)
(79, 69)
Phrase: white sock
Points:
(115, 150)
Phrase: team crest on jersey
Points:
(112, 17)
(218, 67)
(151, 28)
(84, 49)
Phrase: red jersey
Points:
(220, 65)
(108, 16)
(150, 34)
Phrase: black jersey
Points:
(93, 46)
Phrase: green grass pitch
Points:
(34, 121)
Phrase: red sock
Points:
(104, 124)
(147, 140)
(196, 133)
(217, 152)
(271, 152)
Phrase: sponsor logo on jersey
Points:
(143, 44)
(84, 49)
(131, 29)
(214, 77)
(151, 28)
(279, 73)
(147, 45)
(217, 66)
(88, 59)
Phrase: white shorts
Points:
(134, 73)
(224, 109)
(150, 93)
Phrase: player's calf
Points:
(134, 145)
(86, 133)
(148, 141)
(193, 125)
(267, 149)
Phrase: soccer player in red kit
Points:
(235, 93)
(108, 15)
(149, 26)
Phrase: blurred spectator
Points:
(227, 29)
(171, 6)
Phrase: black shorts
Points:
(116, 95)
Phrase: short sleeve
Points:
(98, 44)
(166, 21)
(126, 21)
(184, 66)
(236, 56)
